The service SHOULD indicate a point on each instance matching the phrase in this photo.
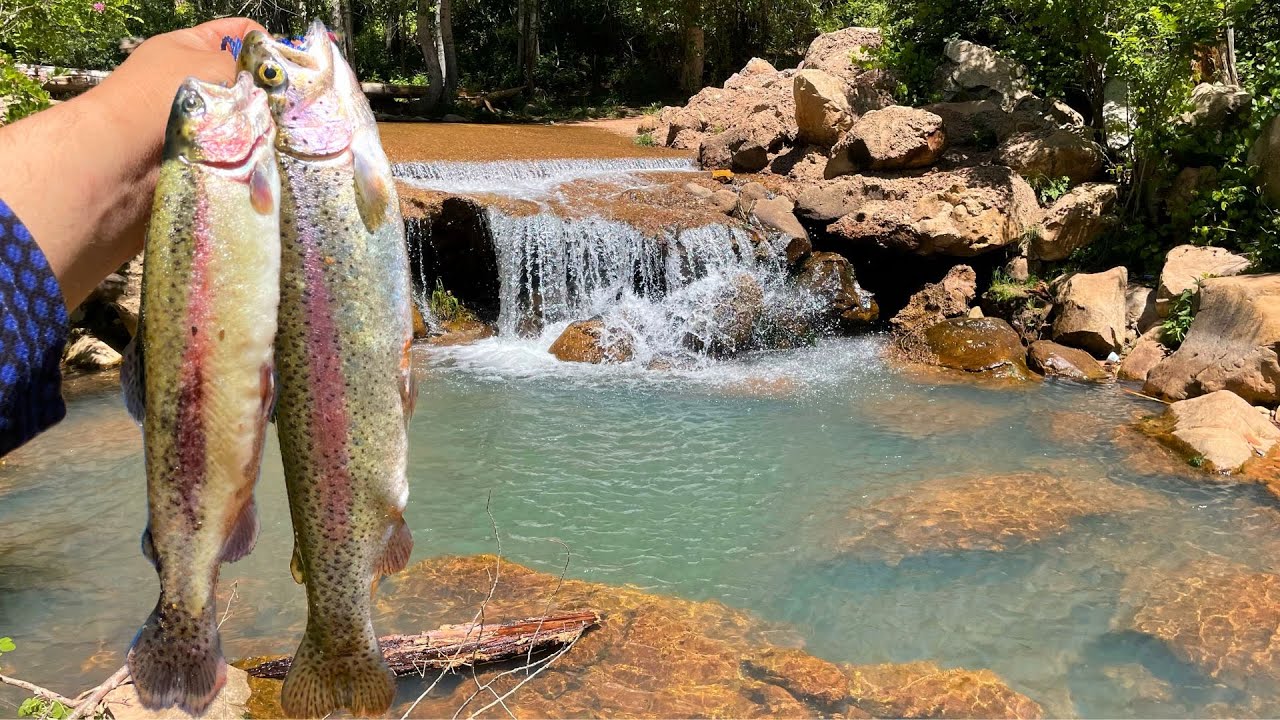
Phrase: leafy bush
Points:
(645, 140)
(1181, 313)
(1050, 189)
(445, 307)
(20, 96)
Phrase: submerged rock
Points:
(729, 327)
(935, 692)
(1222, 619)
(1222, 429)
(1057, 360)
(986, 346)
(589, 341)
(984, 513)
(1233, 344)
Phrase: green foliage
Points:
(1050, 189)
(1196, 461)
(445, 307)
(19, 94)
(1004, 288)
(1181, 313)
(645, 140)
(43, 708)
(7, 645)
(66, 33)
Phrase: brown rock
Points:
(1049, 156)
(813, 681)
(745, 145)
(822, 110)
(1057, 360)
(461, 331)
(977, 124)
(1233, 344)
(829, 276)
(1091, 311)
(1140, 309)
(1074, 221)
(1187, 265)
(924, 690)
(947, 298)
(1223, 429)
(984, 345)
(846, 55)
(895, 138)
(588, 341)
(1222, 619)
(1265, 156)
(757, 88)
(1216, 105)
(983, 513)
(779, 214)
(976, 72)
(962, 213)
(1144, 356)
(725, 201)
(736, 308)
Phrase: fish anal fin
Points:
(132, 379)
(373, 192)
(243, 534)
(295, 566)
(176, 659)
(320, 682)
(395, 554)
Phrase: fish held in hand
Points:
(198, 377)
(346, 387)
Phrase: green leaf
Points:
(7, 645)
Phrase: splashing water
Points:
(528, 179)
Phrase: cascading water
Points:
(686, 293)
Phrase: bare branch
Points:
(37, 690)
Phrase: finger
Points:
(211, 33)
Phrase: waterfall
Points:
(527, 178)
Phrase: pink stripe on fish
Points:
(329, 426)
(191, 431)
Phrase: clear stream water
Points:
(731, 481)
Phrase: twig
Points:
(550, 600)
(546, 663)
(230, 599)
(37, 690)
(95, 698)
(1135, 393)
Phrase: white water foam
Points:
(528, 179)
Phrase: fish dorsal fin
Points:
(373, 192)
(395, 556)
(132, 379)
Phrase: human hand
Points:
(81, 175)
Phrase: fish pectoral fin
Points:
(243, 535)
(132, 381)
(395, 555)
(295, 566)
(373, 196)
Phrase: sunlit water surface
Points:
(730, 483)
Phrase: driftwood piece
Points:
(455, 646)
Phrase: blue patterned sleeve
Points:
(33, 331)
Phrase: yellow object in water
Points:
(724, 176)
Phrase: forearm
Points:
(82, 187)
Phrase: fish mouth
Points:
(243, 165)
(319, 157)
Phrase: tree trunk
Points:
(527, 49)
(429, 41)
(340, 24)
(694, 53)
(448, 50)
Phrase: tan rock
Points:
(1091, 311)
(1223, 429)
(987, 346)
(1186, 265)
(1233, 344)
(745, 145)
(231, 702)
(736, 307)
(949, 297)
(1057, 360)
(847, 55)
(830, 276)
(977, 72)
(1049, 156)
(980, 124)
(805, 677)
(723, 200)
(962, 213)
(895, 138)
(1145, 355)
(1217, 104)
(779, 214)
(1074, 221)
(1140, 309)
(713, 110)
(822, 110)
(924, 690)
(589, 341)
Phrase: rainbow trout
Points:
(346, 391)
(199, 376)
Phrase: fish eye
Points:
(270, 74)
(192, 104)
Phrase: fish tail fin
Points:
(176, 659)
(321, 682)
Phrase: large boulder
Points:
(1091, 311)
(1074, 221)
(1187, 265)
(846, 55)
(736, 307)
(895, 138)
(962, 213)
(714, 110)
(822, 109)
(1265, 155)
(976, 72)
(745, 145)
(1216, 105)
(589, 341)
(1147, 353)
(1233, 344)
(1221, 428)
(978, 345)
(1119, 116)
(778, 214)
(830, 277)
(1049, 156)
(949, 297)
(1056, 360)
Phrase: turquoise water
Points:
(731, 482)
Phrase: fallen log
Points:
(454, 646)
